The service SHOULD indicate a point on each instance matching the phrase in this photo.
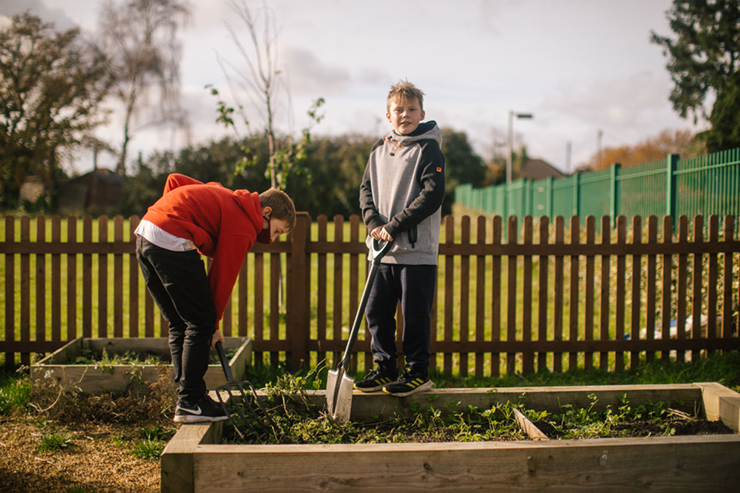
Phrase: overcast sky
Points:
(579, 66)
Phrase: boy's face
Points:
(277, 226)
(405, 115)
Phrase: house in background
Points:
(539, 169)
(32, 189)
(95, 191)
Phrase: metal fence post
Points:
(528, 191)
(670, 191)
(577, 194)
(548, 197)
(614, 193)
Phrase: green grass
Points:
(723, 368)
(151, 441)
(15, 393)
(157, 432)
(55, 442)
(148, 449)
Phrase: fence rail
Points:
(510, 297)
(674, 187)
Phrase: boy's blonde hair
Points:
(405, 91)
(282, 206)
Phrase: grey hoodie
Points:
(403, 188)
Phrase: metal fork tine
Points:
(236, 389)
(228, 411)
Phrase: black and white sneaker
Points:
(206, 410)
(376, 379)
(410, 382)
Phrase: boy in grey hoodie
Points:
(401, 197)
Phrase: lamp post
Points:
(511, 141)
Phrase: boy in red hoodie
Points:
(193, 218)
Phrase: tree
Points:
(725, 130)
(261, 83)
(681, 142)
(51, 86)
(463, 165)
(213, 161)
(336, 165)
(705, 56)
(140, 39)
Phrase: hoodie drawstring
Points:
(396, 143)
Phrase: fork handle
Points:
(224, 362)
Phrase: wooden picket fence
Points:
(515, 298)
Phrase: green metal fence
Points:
(703, 186)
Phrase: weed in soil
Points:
(55, 442)
(14, 394)
(139, 402)
(105, 359)
(297, 420)
(89, 357)
(628, 420)
(148, 449)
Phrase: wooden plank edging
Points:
(721, 403)
(665, 464)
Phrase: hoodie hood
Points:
(250, 204)
(425, 131)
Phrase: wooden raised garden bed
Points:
(100, 377)
(194, 461)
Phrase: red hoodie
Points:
(222, 223)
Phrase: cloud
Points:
(308, 74)
(619, 102)
(37, 7)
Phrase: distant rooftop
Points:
(539, 169)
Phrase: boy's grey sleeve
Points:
(432, 182)
(370, 215)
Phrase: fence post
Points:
(298, 310)
(614, 193)
(502, 195)
(9, 291)
(528, 190)
(577, 195)
(548, 197)
(670, 190)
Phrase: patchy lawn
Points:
(62, 441)
(86, 458)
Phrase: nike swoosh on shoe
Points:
(197, 411)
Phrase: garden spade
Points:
(339, 386)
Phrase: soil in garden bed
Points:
(89, 357)
(295, 423)
(296, 419)
(694, 426)
(626, 420)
